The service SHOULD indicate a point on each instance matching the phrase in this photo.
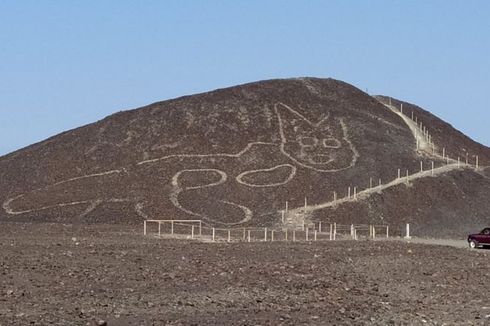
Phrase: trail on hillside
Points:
(296, 216)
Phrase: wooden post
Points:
(306, 235)
(399, 173)
(331, 231)
(407, 177)
(248, 235)
(379, 182)
(286, 235)
(320, 227)
(421, 166)
(370, 183)
(412, 115)
(374, 232)
(229, 235)
(466, 158)
(477, 163)
(286, 206)
(172, 227)
(355, 234)
(355, 192)
(348, 192)
(387, 231)
(244, 234)
(432, 168)
(192, 232)
(144, 227)
(314, 235)
(294, 235)
(334, 196)
(401, 108)
(213, 234)
(443, 152)
(272, 236)
(200, 228)
(304, 214)
(159, 228)
(265, 234)
(407, 236)
(352, 230)
(334, 231)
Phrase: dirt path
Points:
(424, 145)
(295, 217)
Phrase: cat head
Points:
(321, 146)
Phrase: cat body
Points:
(221, 188)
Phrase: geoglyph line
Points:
(84, 177)
(284, 140)
(240, 153)
(94, 203)
(9, 210)
(177, 190)
(423, 145)
(291, 175)
(297, 214)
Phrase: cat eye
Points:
(307, 141)
(331, 143)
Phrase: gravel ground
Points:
(87, 275)
(440, 242)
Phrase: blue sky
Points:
(64, 64)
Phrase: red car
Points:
(480, 239)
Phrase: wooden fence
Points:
(196, 230)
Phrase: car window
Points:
(486, 231)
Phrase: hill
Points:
(235, 156)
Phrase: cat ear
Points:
(289, 119)
(292, 122)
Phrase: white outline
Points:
(177, 189)
(240, 153)
(239, 177)
(94, 203)
(284, 141)
(424, 146)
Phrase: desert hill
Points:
(235, 156)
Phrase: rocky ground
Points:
(86, 275)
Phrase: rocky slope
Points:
(235, 156)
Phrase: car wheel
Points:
(473, 244)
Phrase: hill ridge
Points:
(233, 156)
